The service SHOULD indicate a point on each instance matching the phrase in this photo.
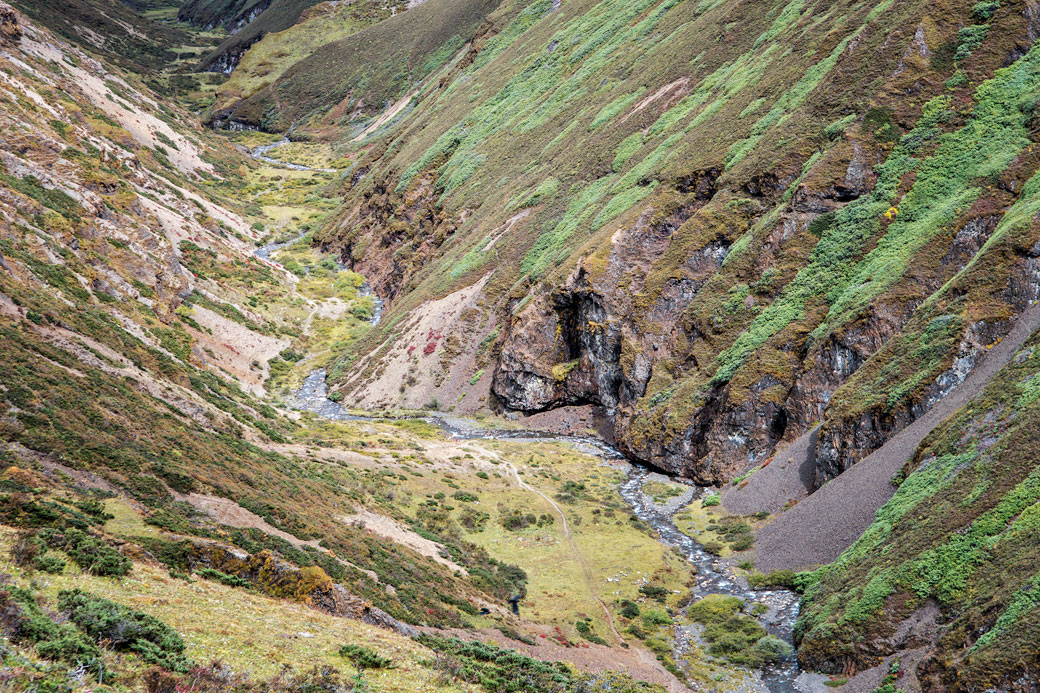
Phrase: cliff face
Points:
(720, 224)
(712, 250)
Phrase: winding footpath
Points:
(575, 551)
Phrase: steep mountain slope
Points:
(320, 25)
(722, 225)
(360, 74)
(246, 20)
(946, 577)
(713, 293)
(150, 489)
(111, 28)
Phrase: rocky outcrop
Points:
(595, 339)
(389, 236)
(10, 29)
(570, 354)
(232, 16)
(852, 432)
(310, 585)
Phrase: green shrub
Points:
(968, 39)
(498, 670)
(584, 628)
(223, 578)
(984, 10)
(364, 658)
(54, 641)
(655, 592)
(629, 609)
(49, 563)
(729, 633)
(473, 520)
(89, 553)
(655, 617)
(515, 520)
(743, 542)
(124, 628)
(778, 578)
(711, 500)
(772, 649)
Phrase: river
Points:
(260, 154)
(713, 576)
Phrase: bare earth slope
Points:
(820, 528)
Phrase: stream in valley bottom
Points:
(712, 575)
(260, 154)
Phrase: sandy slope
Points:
(818, 529)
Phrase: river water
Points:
(264, 252)
(260, 153)
(712, 575)
(377, 303)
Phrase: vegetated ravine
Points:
(712, 575)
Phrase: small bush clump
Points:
(364, 658)
(90, 553)
(778, 578)
(223, 578)
(124, 628)
(735, 636)
(23, 618)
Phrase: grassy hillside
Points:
(363, 72)
(719, 223)
(111, 28)
(247, 22)
(959, 534)
(268, 60)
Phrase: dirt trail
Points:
(570, 540)
(821, 527)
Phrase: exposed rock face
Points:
(310, 585)
(580, 343)
(233, 16)
(227, 61)
(388, 236)
(844, 440)
(10, 29)
(570, 353)
(595, 339)
(591, 340)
